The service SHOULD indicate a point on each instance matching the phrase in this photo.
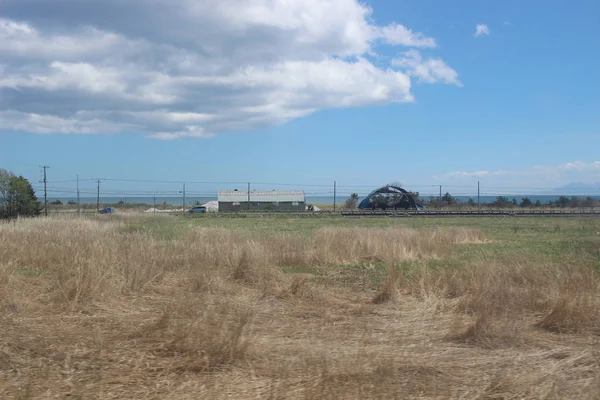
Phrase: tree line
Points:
(447, 200)
(17, 197)
(525, 202)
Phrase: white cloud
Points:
(462, 174)
(481, 30)
(428, 71)
(24, 41)
(398, 34)
(581, 166)
(190, 131)
(37, 123)
(193, 68)
(61, 75)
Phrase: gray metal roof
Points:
(241, 196)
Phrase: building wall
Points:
(261, 206)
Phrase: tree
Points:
(415, 196)
(448, 199)
(576, 201)
(471, 202)
(589, 202)
(538, 203)
(526, 202)
(17, 197)
(562, 202)
(352, 202)
(501, 202)
(434, 202)
(381, 202)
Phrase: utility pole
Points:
(334, 194)
(45, 191)
(440, 192)
(78, 204)
(154, 206)
(98, 197)
(478, 203)
(248, 196)
(183, 209)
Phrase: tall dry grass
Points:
(502, 302)
(94, 309)
(91, 259)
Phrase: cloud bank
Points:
(197, 68)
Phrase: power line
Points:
(290, 184)
(56, 189)
(455, 189)
(179, 181)
(66, 181)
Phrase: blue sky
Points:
(373, 93)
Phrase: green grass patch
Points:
(543, 239)
(29, 272)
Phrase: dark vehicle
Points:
(108, 210)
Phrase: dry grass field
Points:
(117, 307)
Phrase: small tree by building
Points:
(415, 196)
(352, 202)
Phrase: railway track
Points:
(408, 214)
(499, 213)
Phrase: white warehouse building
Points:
(265, 200)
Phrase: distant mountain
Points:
(579, 188)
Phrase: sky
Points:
(300, 93)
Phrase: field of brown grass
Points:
(168, 308)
